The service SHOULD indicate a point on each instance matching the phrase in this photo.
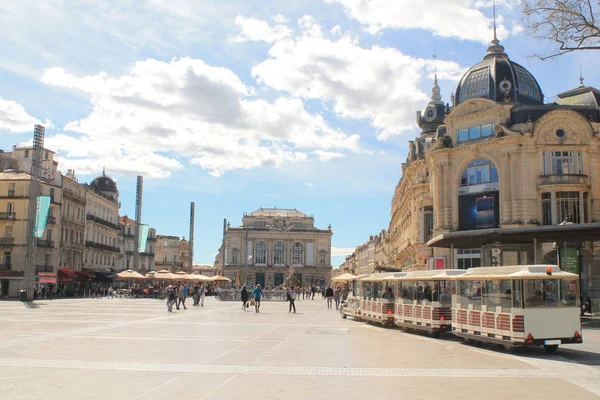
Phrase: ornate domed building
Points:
(106, 186)
(500, 177)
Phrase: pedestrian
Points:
(111, 293)
(245, 298)
(323, 292)
(202, 294)
(336, 297)
(291, 295)
(196, 295)
(329, 296)
(258, 294)
(186, 292)
(313, 289)
(180, 297)
(171, 298)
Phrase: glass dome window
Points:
(477, 84)
(527, 86)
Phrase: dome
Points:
(104, 184)
(499, 79)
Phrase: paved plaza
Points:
(134, 349)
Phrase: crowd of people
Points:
(177, 295)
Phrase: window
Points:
(6, 259)
(468, 258)
(546, 208)
(49, 234)
(475, 132)
(235, 256)
(479, 171)
(261, 224)
(260, 253)
(550, 293)
(297, 224)
(174, 258)
(527, 86)
(563, 162)
(297, 253)
(11, 190)
(322, 257)
(470, 293)
(46, 155)
(8, 231)
(567, 207)
(26, 154)
(477, 84)
(279, 253)
(10, 208)
(497, 293)
(428, 222)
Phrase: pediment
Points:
(577, 130)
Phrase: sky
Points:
(242, 104)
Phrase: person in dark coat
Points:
(245, 298)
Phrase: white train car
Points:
(526, 305)
(377, 298)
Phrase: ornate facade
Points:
(172, 253)
(271, 240)
(126, 245)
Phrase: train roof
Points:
(516, 272)
(382, 276)
(436, 274)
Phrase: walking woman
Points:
(292, 298)
(245, 298)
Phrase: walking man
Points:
(336, 297)
(313, 289)
(258, 294)
(292, 298)
(202, 294)
(245, 298)
(180, 297)
(329, 296)
(196, 292)
(170, 298)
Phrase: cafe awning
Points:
(521, 235)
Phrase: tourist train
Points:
(525, 305)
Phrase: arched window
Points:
(297, 253)
(322, 257)
(279, 253)
(479, 171)
(260, 253)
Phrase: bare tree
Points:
(572, 24)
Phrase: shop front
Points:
(10, 283)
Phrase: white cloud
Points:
(341, 251)
(461, 19)
(280, 19)
(14, 118)
(336, 30)
(378, 84)
(257, 30)
(328, 155)
(162, 112)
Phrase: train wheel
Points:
(344, 316)
(468, 341)
(550, 348)
(509, 348)
(435, 334)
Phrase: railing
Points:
(169, 264)
(152, 238)
(102, 221)
(51, 220)
(7, 240)
(71, 245)
(5, 266)
(147, 254)
(100, 246)
(12, 195)
(562, 179)
(45, 243)
(74, 195)
(236, 295)
(44, 268)
(54, 200)
(129, 235)
(8, 215)
(73, 219)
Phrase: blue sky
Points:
(241, 104)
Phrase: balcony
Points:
(73, 195)
(44, 268)
(7, 241)
(104, 222)
(100, 246)
(12, 195)
(168, 264)
(151, 238)
(563, 179)
(147, 254)
(49, 244)
(72, 245)
(56, 201)
(128, 235)
(51, 220)
(8, 215)
(6, 266)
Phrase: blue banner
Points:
(41, 215)
(143, 238)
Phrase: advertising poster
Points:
(144, 229)
(41, 215)
(569, 260)
(478, 211)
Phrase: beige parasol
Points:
(219, 278)
(163, 274)
(344, 277)
(198, 277)
(181, 276)
(130, 274)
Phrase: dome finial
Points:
(495, 41)
(580, 77)
(436, 97)
(103, 171)
(495, 49)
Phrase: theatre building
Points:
(270, 242)
(513, 179)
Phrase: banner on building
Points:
(41, 215)
(144, 229)
(569, 259)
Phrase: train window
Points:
(408, 292)
(470, 294)
(389, 291)
(517, 294)
(441, 292)
(550, 293)
(377, 290)
(425, 292)
(497, 293)
(367, 291)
